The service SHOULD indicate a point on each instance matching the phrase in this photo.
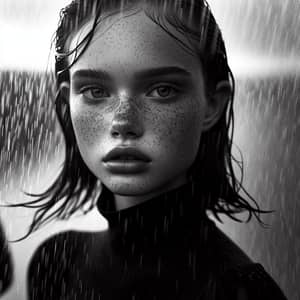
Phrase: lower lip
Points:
(126, 166)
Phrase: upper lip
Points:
(126, 151)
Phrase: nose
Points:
(127, 122)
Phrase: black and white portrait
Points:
(149, 149)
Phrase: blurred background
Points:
(264, 52)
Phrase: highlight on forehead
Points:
(192, 18)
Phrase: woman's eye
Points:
(163, 91)
(94, 93)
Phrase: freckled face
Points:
(136, 86)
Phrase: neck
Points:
(126, 201)
(180, 209)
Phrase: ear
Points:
(64, 90)
(216, 103)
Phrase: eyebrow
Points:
(139, 75)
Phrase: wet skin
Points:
(119, 97)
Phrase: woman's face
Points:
(136, 87)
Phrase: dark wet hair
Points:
(213, 168)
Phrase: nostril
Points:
(131, 134)
(115, 134)
(126, 129)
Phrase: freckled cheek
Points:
(89, 126)
(178, 129)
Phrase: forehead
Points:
(132, 41)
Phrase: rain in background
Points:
(264, 52)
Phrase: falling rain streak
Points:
(264, 48)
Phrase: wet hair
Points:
(213, 168)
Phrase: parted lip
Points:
(119, 152)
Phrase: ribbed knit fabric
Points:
(160, 218)
(164, 248)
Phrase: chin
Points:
(131, 186)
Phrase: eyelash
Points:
(90, 89)
(175, 90)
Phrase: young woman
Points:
(145, 102)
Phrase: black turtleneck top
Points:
(164, 248)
